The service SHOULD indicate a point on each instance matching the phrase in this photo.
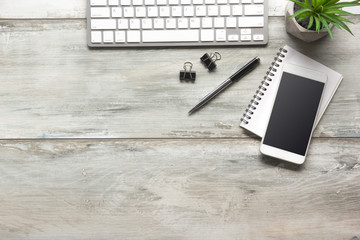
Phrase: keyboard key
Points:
(200, 11)
(258, 37)
(195, 23)
(213, 10)
(231, 22)
(128, 12)
(96, 37)
(123, 24)
(234, 1)
(140, 12)
(164, 11)
(116, 12)
(251, 21)
(198, 2)
(220, 35)
(236, 10)
(113, 2)
(137, 2)
(207, 35)
(149, 2)
(170, 23)
(170, 35)
(133, 36)
(254, 10)
(245, 1)
(245, 31)
(146, 23)
(245, 38)
(103, 24)
(210, 1)
(183, 23)
(152, 11)
(134, 23)
(176, 11)
(225, 10)
(258, 1)
(108, 36)
(159, 23)
(219, 22)
(188, 11)
(233, 37)
(100, 12)
(185, 2)
(98, 2)
(125, 2)
(173, 2)
(206, 22)
(120, 36)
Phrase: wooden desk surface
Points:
(97, 144)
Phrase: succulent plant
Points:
(321, 13)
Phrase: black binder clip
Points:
(187, 74)
(209, 60)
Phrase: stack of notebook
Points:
(255, 118)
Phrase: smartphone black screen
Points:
(293, 114)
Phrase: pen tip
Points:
(192, 111)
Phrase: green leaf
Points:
(322, 2)
(300, 12)
(307, 3)
(317, 24)
(326, 25)
(329, 3)
(342, 25)
(340, 12)
(332, 20)
(346, 4)
(300, 19)
(311, 22)
(340, 18)
(301, 4)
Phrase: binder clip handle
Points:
(209, 60)
(187, 74)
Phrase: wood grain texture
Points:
(53, 86)
(177, 189)
(37, 9)
(75, 9)
(165, 176)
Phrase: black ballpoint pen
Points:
(233, 78)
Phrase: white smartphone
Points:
(294, 111)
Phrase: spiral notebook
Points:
(256, 115)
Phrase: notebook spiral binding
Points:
(263, 86)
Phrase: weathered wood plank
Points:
(177, 189)
(43, 9)
(77, 9)
(53, 86)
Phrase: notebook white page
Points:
(256, 120)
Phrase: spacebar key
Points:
(170, 35)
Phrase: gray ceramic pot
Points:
(298, 31)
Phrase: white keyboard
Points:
(133, 23)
